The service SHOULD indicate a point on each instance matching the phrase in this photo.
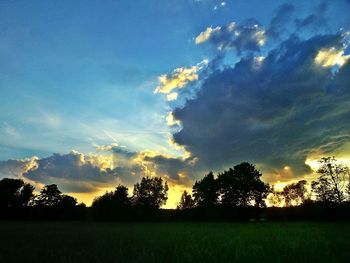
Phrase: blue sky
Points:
(75, 75)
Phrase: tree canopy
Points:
(14, 193)
(242, 186)
(151, 192)
(205, 191)
(332, 182)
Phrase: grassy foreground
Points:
(174, 242)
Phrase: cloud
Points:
(70, 170)
(331, 57)
(248, 36)
(171, 121)
(16, 168)
(274, 114)
(282, 16)
(78, 172)
(174, 169)
(10, 130)
(106, 148)
(178, 79)
(86, 175)
(314, 20)
(206, 34)
(172, 96)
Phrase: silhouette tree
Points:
(111, 200)
(67, 202)
(150, 192)
(121, 197)
(295, 193)
(50, 196)
(104, 200)
(15, 193)
(291, 195)
(228, 186)
(347, 170)
(113, 205)
(26, 197)
(241, 186)
(276, 198)
(205, 191)
(260, 193)
(186, 201)
(331, 184)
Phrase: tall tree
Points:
(49, 196)
(228, 188)
(331, 184)
(205, 191)
(151, 192)
(120, 196)
(186, 201)
(241, 186)
(14, 193)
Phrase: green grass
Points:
(174, 242)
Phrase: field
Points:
(174, 242)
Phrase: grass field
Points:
(174, 242)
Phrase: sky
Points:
(94, 94)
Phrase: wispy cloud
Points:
(10, 130)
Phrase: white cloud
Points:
(172, 96)
(106, 148)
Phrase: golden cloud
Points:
(177, 79)
(331, 57)
(171, 121)
(205, 35)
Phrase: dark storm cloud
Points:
(315, 20)
(272, 112)
(177, 169)
(283, 15)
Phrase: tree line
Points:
(234, 194)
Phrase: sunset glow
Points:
(96, 95)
